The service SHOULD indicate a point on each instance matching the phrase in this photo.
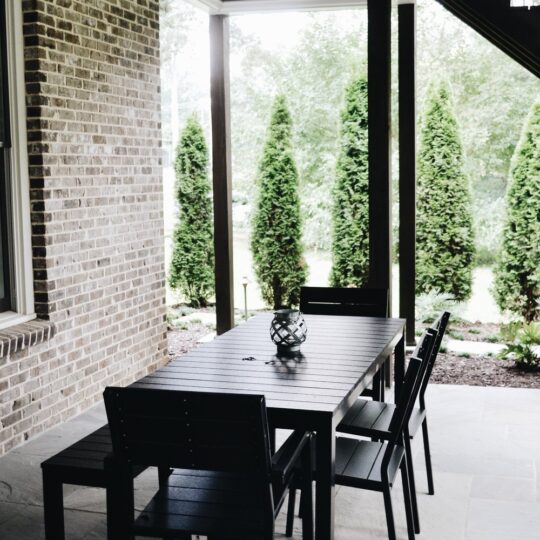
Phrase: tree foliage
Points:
(192, 265)
(276, 239)
(350, 214)
(517, 285)
(445, 243)
(323, 64)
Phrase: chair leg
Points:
(273, 439)
(307, 512)
(427, 453)
(407, 498)
(163, 475)
(412, 482)
(389, 513)
(306, 498)
(290, 512)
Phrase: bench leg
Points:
(53, 507)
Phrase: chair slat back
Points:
(190, 430)
(411, 385)
(440, 327)
(344, 301)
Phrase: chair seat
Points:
(372, 419)
(208, 502)
(358, 463)
(203, 502)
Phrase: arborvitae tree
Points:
(276, 240)
(517, 284)
(445, 240)
(192, 265)
(350, 215)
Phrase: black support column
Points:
(407, 165)
(222, 171)
(379, 92)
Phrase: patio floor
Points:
(486, 453)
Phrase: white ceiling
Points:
(237, 7)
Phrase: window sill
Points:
(18, 337)
(10, 318)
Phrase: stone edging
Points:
(17, 338)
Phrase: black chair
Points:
(344, 301)
(217, 477)
(423, 352)
(373, 465)
(356, 302)
(372, 419)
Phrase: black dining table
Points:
(311, 392)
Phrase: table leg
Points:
(325, 491)
(388, 372)
(399, 366)
(377, 385)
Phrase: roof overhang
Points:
(241, 7)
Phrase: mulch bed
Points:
(182, 341)
(463, 330)
(481, 371)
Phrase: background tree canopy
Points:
(311, 58)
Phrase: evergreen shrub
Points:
(350, 214)
(517, 281)
(445, 240)
(192, 265)
(276, 241)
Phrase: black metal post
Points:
(379, 92)
(407, 166)
(222, 175)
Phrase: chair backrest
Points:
(344, 301)
(411, 386)
(440, 327)
(190, 430)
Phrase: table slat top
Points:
(338, 358)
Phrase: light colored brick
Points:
(93, 108)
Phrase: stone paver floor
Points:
(486, 454)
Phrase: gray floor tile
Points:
(486, 466)
(503, 488)
(503, 520)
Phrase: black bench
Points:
(81, 464)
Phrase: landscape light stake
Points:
(245, 284)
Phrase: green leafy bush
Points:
(429, 306)
(350, 215)
(445, 240)
(276, 241)
(517, 281)
(192, 264)
(522, 344)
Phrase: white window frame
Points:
(20, 234)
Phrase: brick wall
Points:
(93, 103)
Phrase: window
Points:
(5, 288)
(16, 288)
